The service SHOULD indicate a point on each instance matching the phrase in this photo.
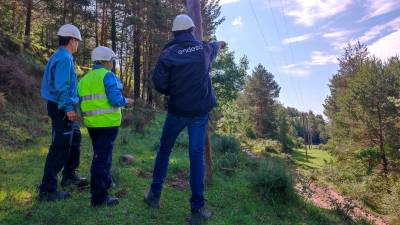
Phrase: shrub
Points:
(265, 146)
(229, 163)
(14, 136)
(370, 157)
(298, 142)
(2, 101)
(14, 78)
(224, 143)
(139, 116)
(392, 200)
(272, 180)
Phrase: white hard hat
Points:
(182, 22)
(102, 53)
(69, 30)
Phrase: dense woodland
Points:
(137, 32)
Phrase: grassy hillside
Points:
(229, 196)
(21, 109)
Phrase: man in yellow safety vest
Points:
(101, 99)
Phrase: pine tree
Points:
(260, 96)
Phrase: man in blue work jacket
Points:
(182, 73)
(59, 88)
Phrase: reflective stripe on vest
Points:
(95, 108)
(94, 96)
(100, 111)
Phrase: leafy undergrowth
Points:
(230, 196)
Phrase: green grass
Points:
(316, 158)
(229, 197)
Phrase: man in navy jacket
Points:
(182, 73)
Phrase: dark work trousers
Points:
(64, 150)
(100, 171)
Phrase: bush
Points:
(14, 78)
(14, 136)
(225, 144)
(2, 101)
(392, 200)
(370, 157)
(298, 142)
(264, 146)
(139, 116)
(272, 180)
(230, 163)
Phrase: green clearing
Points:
(316, 158)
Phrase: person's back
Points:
(183, 74)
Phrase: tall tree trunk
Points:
(96, 25)
(121, 49)
(194, 11)
(136, 63)
(72, 10)
(382, 144)
(113, 32)
(149, 92)
(64, 18)
(104, 25)
(146, 46)
(27, 39)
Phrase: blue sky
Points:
(299, 40)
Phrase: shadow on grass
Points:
(301, 160)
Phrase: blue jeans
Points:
(100, 172)
(197, 135)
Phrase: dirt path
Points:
(329, 198)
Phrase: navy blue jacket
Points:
(182, 72)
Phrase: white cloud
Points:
(237, 22)
(377, 30)
(339, 38)
(379, 7)
(319, 58)
(387, 46)
(307, 12)
(296, 39)
(373, 33)
(295, 70)
(303, 69)
(226, 2)
(337, 34)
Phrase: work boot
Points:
(75, 180)
(53, 196)
(110, 201)
(151, 200)
(200, 216)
